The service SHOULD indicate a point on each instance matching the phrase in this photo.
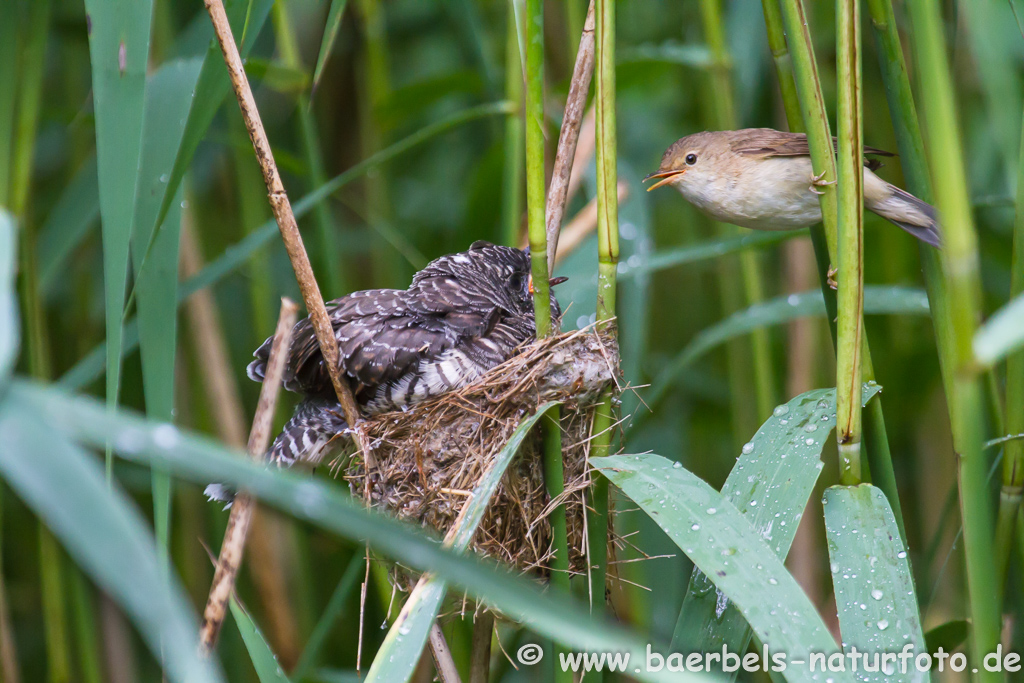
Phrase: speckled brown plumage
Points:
(462, 315)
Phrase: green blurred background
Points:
(396, 67)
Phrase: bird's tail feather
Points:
(306, 437)
(917, 217)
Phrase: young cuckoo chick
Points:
(462, 315)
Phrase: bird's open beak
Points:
(666, 178)
(552, 282)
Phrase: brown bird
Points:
(762, 179)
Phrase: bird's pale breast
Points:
(762, 194)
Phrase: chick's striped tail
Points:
(308, 434)
(305, 438)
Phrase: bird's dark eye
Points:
(517, 282)
(691, 159)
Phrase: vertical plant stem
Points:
(267, 552)
(535, 164)
(282, 208)
(480, 660)
(375, 85)
(1013, 453)
(233, 545)
(608, 260)
(512, 173)
(26, 122)
(850, 298)
(85, 628)
(8, 92)
(960, 267)
(58, 656)
(575, 104)
(536, 228)
(328, 251)
(824, 236)
(783, 64)
(723, 105)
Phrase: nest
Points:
(430, 457)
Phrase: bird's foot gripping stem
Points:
(831, 277)
(819, 181)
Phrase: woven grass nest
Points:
(430, 457)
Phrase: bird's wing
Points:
(382, 334)
(765, 143)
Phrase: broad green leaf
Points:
(878, 300)
(402, 647)
(711, 249)
(549, 613)
(68, 223)
(1001, 334)
(93, 364)
(168, 96)
(119, 51)
(723, 544)
(246, 18)
(263, 660)
(9, 327)
(101, 528)
(772, 480)
(331, 26)
(878, 611)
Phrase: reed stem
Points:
(850, 298)
(512, 173)
(824, 236)
(535, 189)
(724, 118)
(608, 259)
(960, 269)
(244, 506)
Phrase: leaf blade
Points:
(100, 527)
(875, 596)
(722, 543)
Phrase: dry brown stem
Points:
(221, 387)
(480, 658)
(233, 545)
(443, 661)
(575, 103)
(286, 222)
(584, 223)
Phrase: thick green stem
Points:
(960, 268)
(512, 175)
(850, 298)
(51, 565)
(608, 259)
(783, 64)
(1013, 453)
(535, 185)
(724, 118)
(815, 122)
